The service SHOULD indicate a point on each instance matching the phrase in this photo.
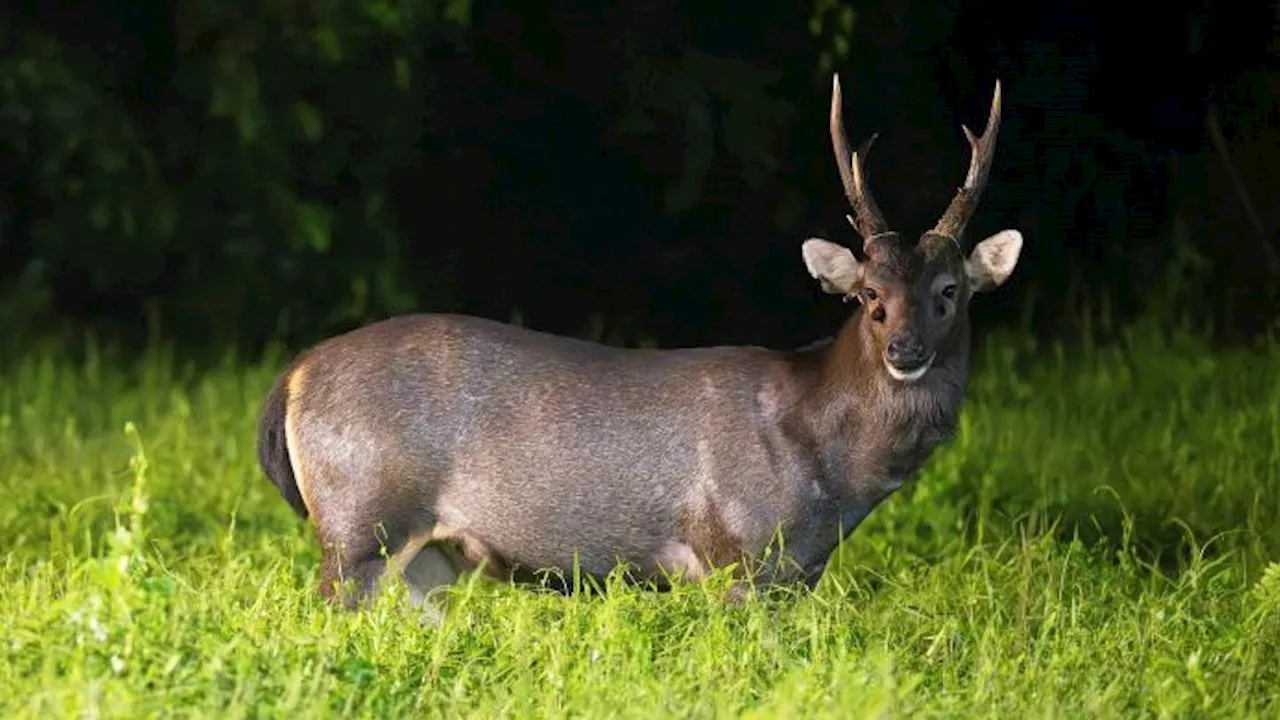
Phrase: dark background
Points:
(233, 173)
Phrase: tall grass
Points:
(1101, 538)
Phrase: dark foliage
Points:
(242, 171)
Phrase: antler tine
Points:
(982, 149)
(866, 218)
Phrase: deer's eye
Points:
(949, 291)
(869, 295)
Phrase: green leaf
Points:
(309, 119)
(458, 11)
(247, 123)
(847, 16)
(314, 223)
(402, 73)
(329, 45)
(385, 14)
(100, 215)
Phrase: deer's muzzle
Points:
(906, 357)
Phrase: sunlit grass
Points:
(1101, 539)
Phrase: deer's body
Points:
(487, 435)
(437, 442)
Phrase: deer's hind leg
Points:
(352, 573)
(349, 573)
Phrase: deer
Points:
(427, 446)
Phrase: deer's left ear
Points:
(992, 260)
(834, 266)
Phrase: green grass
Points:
(1100, 540)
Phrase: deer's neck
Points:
(871, 432)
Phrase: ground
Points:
(1099, 540)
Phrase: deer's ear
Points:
(992, 260)
(834, 266)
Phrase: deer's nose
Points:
(905, 351)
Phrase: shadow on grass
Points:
(1164, 544)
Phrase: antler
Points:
(965, 202)
(853, 174)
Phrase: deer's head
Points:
(913, 296)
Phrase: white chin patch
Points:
(913, 375)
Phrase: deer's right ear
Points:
(834, 266)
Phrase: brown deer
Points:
(428, 445)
